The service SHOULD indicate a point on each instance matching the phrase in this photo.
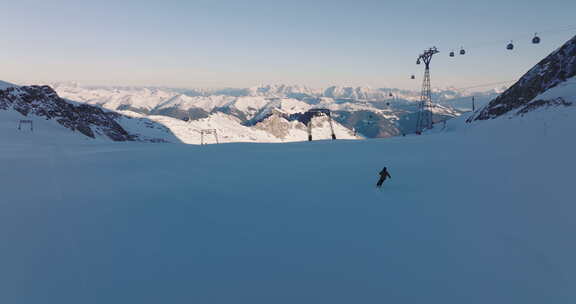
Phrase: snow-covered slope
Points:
(358, 93)
(565, 90)
(279, 91)
(5, 85)
(477, 213)
(271, 123)
(135, 99)
(371, 112)
(173, 115)
(529, 92)
(229, 129)
(29, 107)
(41, 102)
(41, 132)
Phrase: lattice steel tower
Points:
(425, 107)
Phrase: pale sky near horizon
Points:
(201, 43)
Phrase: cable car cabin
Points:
(462, 52)
(510, 46)
(536, 39)
(451, 54)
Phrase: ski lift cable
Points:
(487, 85)
(479, 85)
(558, 30)
(395, 96)
(519, 38)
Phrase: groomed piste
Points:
(475, 213)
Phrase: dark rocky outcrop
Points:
(547, 74)
(43, 101)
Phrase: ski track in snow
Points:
(477, 213)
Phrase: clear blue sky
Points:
(245, 43)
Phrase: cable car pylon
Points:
(425, 107)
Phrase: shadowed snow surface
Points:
(473, 214)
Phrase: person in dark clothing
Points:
(383, 175)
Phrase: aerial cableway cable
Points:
(509, 45)
(535, 39)
(487, 85)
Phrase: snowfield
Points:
(480, 213)
(565, 90)
(370, 112)
(229, 129)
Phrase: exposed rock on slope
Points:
(371, 112)
(44, 102)
(547, 74)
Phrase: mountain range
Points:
(551, 82)
(277, 113)
(362, 111)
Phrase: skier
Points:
(383, 175)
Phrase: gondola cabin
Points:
(510, 46)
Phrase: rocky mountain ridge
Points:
(371, 112)
(43, 101)
(524, 95)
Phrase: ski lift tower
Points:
(315, 113)
(205, 132)
(23, 122)
(425, 107)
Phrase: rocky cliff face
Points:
(547, 74)
(43, 101)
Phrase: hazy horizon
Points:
(223, 44)
(480, 89)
